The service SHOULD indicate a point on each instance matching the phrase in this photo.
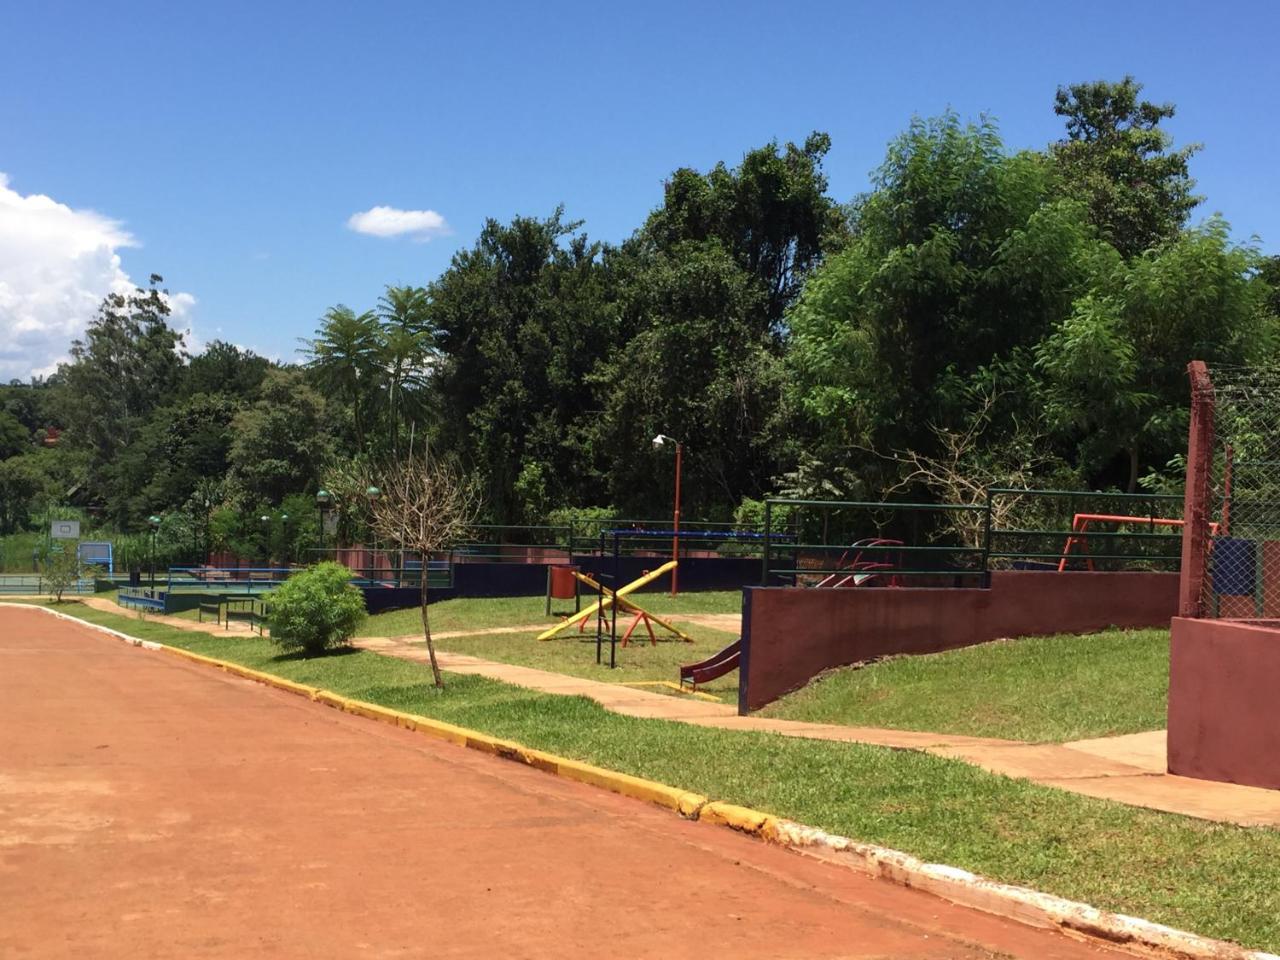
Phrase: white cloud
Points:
(56, 265)
(421, 225)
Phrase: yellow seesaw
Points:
(619, 595)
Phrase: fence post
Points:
(764, 563)
(1195, 510)
(986, 543)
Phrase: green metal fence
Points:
(827, 543)
(1083, 530)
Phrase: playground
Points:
(1015, 654)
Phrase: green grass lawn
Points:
(1217, 880)
(1037, 688)
(575, 654)
(480, 613)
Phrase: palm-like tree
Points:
(345, 359)
(408, 342)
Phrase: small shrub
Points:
(62, 569)
(316, 610)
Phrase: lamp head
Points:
(658, 441)
(323, 497)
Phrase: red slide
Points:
(716, 665)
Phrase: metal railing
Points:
(857, 543)
(1083, 530)
(888, 543)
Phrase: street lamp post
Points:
(372, 494)
(266, 539)
(154, 522)
(323, 498)
(658, 442)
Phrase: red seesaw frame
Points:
(1080, 527)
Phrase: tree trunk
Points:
(426, 629)
(1133, 469)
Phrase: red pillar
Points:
(1195, 532)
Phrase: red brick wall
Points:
(791, 635)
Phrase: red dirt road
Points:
(155, 808)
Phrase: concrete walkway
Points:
(1128, 769)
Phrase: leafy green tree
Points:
(19, 485)
(62, 568)
(344, 359)
(771, 214)
(1269, 276)
(179, 445)
(1119, 161)
(280, 443)
(960, 263)
(1116, 366)
(223, 368)
(14, 437)
(128, 364)
(520, 320)
(315, 611)
(704, 368)
(29, 403)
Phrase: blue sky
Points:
(231, 142)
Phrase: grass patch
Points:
(575, 654)
(1037, 688)
(1217, 880)
(480, 613)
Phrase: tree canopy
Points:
(979, 313)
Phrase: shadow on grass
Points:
(297, 656)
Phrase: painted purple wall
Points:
(1224, 701)
(791, 635)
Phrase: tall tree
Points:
(344, 360)
(703, 368)
(1115, 367)
(771, 213)
(959, 264)
(128, 364)
(521, 319)
(225, 368)
(281, 441)
(408, 343)
(1119, 161)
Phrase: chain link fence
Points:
(1243, 522)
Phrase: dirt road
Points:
(154, 808)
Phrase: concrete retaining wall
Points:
(791, 634)
(1224, 701)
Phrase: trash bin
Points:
(562, 585)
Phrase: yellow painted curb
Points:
(738, 818)
(684, 802)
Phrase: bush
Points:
(315, 610)
(62, 569)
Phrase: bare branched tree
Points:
(426, 506)
(966, 466)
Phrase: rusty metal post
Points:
(1195, 529)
